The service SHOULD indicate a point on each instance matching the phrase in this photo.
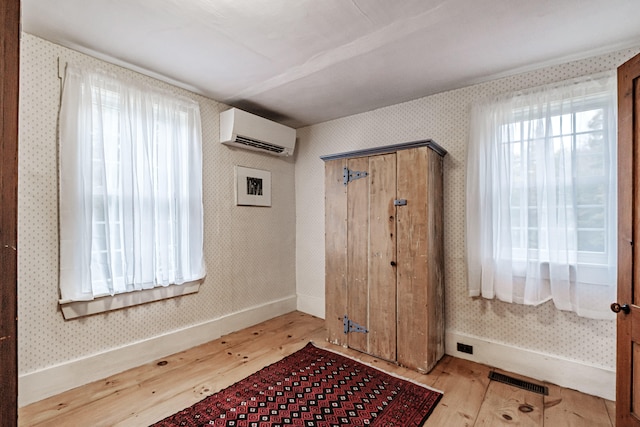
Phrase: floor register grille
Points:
(526, 385)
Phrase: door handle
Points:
(617, 308)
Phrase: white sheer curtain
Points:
(541, 197)
(131, 213)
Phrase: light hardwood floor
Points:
(143, 395)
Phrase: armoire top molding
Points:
(387, 149)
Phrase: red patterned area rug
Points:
(313, 387)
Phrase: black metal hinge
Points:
(350, 326)
(348, 175)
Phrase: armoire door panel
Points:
(413, 254)
(358, 253)
(435, 264)
(382, 256)
(335, 227)
(420, 256)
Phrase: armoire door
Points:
(628, 305)
(371, 252)
(420, 258)
(335, 248)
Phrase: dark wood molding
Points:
(9, 80)
(628, 231)
(387, 149)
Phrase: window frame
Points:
(103, 304)
(101, 301)
(593, 264)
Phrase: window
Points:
(541, 197)
(577, 138)
(130, 188)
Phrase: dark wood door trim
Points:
(628, 230)
(9, 74)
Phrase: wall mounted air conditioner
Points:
(245, 130)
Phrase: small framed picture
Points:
(253, 187)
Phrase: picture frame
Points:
(253, 187)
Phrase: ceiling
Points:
(302, 62)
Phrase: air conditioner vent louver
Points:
(259, 144)
(245, 130)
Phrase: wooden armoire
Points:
(384, 255)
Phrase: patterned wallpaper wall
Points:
(249, 251)
(445, 119)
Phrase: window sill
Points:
(76, 309)
(586, 273)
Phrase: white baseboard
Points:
(593, 380)
(311, 305)
(47, 382)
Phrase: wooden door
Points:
(382, 257)
(9, 71)
(628, 306)
(360, 253)
(420, 259)
(335, 244)
(371, 255)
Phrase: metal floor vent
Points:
(526, 385)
